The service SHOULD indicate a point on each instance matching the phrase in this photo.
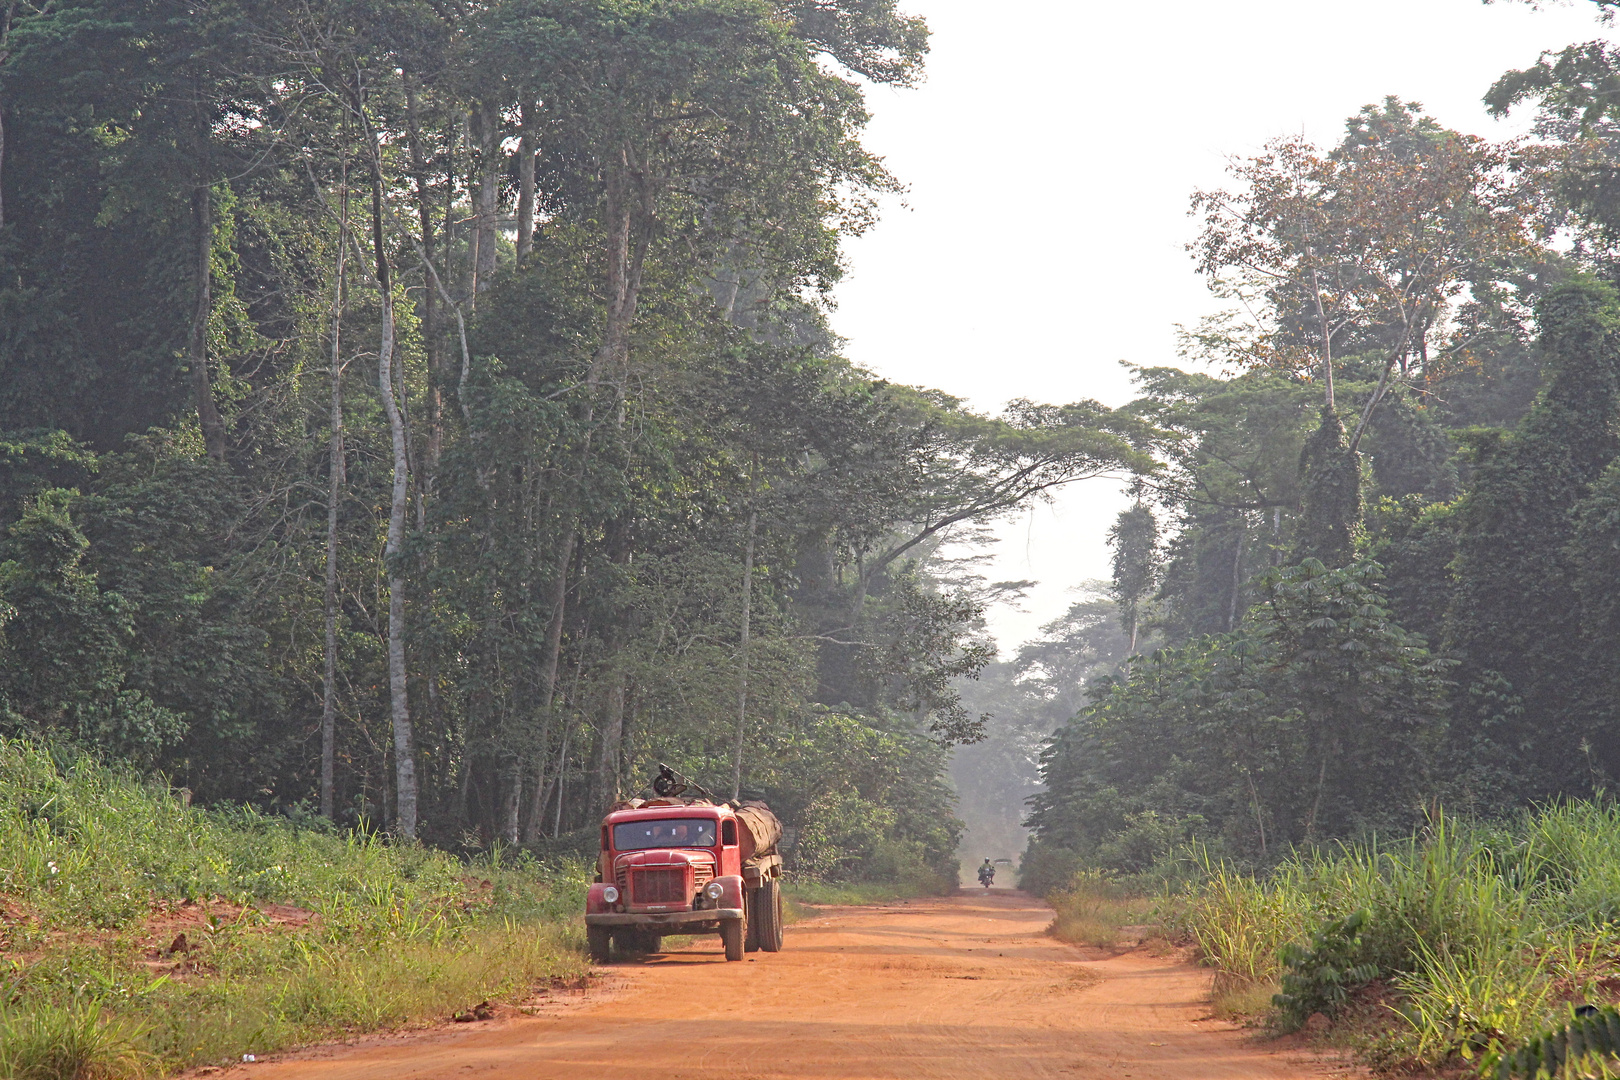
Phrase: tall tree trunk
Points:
(202, 224)
(337, 475)
(548, 676)
(525, 206)
(1259, 818)
(626, 255)
(607, 756)
(627, 742)
(1237, 577)
(465, 783)
(431, 343)
(1316, 804)
(7, 14)
(1327, 340)
(2, 152)
(399, 702)
(742, 683)
(512, 804)
(487, 131)
(562, 776)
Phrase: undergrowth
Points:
(1438, 950)
(1099, 910)
(141, 935)
(807, 892)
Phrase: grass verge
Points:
(1432, 952)
(141, 935)
(1096, 910)
(832, 894)
(801, 896)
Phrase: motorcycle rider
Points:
(987, 873)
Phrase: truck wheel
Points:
(731, 936)
(598, 942)
(769, 903)
(652, 943)
(751, 910)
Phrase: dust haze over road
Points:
(967, 986)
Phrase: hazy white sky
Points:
(1050, 155)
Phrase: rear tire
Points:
(599, 943)
(769, 904)
(751, 910)
(652, 943)
(731, 936)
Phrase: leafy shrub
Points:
(905, 863)
(1047, 868)
(1590, 1038)
(839, 832)
(1318, 979)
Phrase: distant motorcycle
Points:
(987, 874)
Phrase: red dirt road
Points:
(967, 987)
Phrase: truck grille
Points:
(658, 886)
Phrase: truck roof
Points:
(666, 808)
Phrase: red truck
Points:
(686, 866)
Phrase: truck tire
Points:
(598, 942)
(731, 936)
(652, 943)
(768, 901)
(750, 908)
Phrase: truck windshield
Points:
(663, 832)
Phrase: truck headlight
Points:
(714, 890)
(611, 894)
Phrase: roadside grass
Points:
(51, 1043)
(141, 935)
(806, 892)
(1098, 910)
(801, 895)
(1471, 937)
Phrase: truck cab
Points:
(684, 866)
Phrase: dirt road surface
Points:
(967, 987)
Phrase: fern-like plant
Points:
(1591, 1033)
(1319, 979)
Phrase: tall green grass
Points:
(1097, 909)
(48, 1042)
(1480, 934)
(96, 863)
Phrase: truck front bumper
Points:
(663, 918)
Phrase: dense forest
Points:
(423, 415)
(1375, 570)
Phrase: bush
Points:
(1047, 869)
(1318, 979)
(1485, 932)
(1093, 908)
